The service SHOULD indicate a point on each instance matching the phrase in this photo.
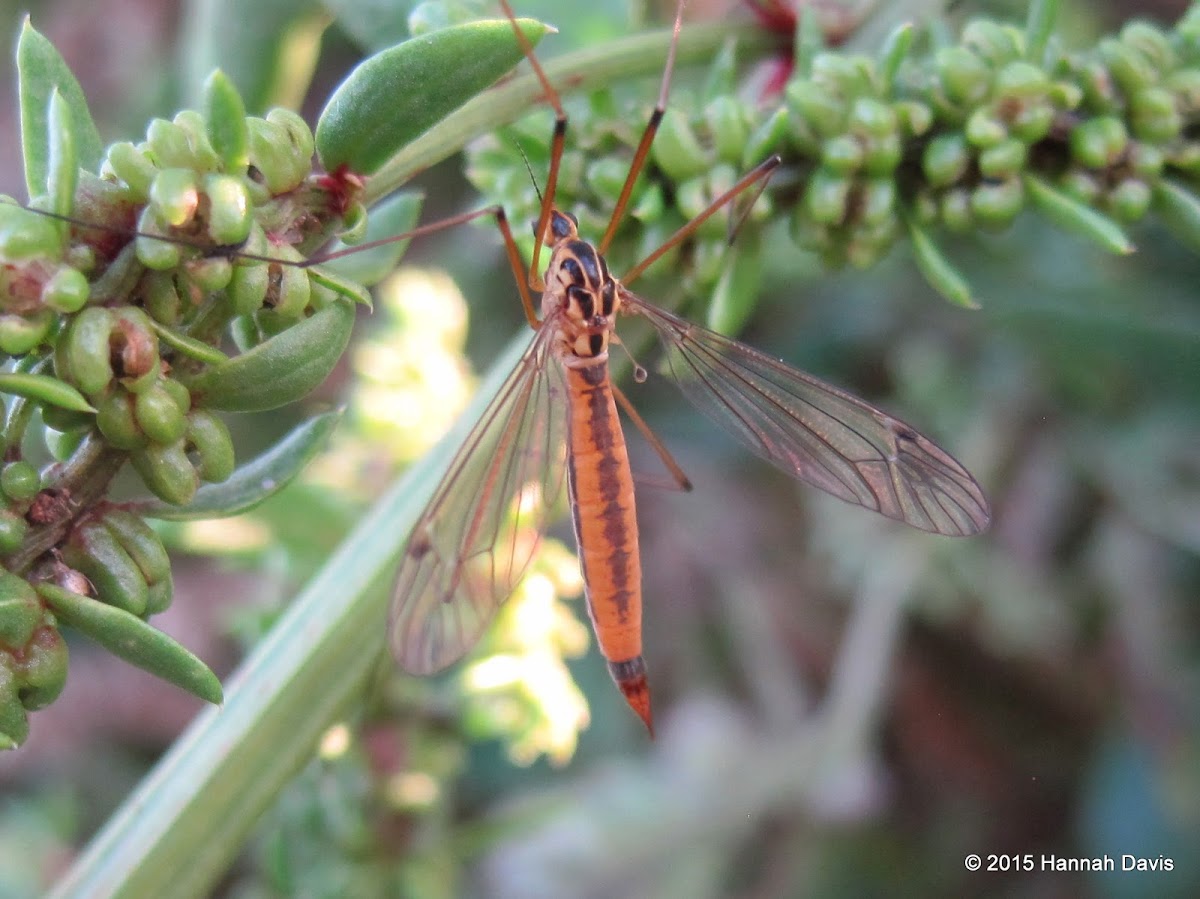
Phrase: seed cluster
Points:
(116, 340)
(875, 149)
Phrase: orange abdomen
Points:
(602, 506)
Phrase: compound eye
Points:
(563, 225)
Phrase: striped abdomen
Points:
(602, 507)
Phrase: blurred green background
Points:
(845, 708)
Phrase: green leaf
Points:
(188, 346)
(41, 70)
(369, 265)
(1072, 215)
(44, 389)
(937, 269)
(283, 369)
(62, 168)
(134, 640)
(253, 482)
(395, 96)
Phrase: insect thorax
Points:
(580, 293)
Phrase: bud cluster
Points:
(875, 149)
(111, 322)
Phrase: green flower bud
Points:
(1153, 115)
(299, 136)
(842, 155)
(872, 117)
(996, 205)
(66, 291)
(204, 156)
(137, 345)
(1185, 85)
(677, 150)
(1005, 159)
(295, 291)
(161, 297)
(1151, 43)
(175, 196)
(914, 118)
(737, 288)
(811, 104)
(12, 531)
(606, 176)
(728, 127)
(1099, 142)
(27, 235)
(117, 423)
(965, 78)
(20, 481)
(1130, 200)
(766, 139)
(96, 552)
(996, 43)
(1020, 80)
(826, 197)
(877, 201)
(177, 392)
(1067, 95)
(131, 165)
(144, 546)
(945, 159)
(1129, 69)
(229, 212)
(1082, 186)
(984, 129)
(166, 471)
(21, 334)
(208, 436)
(20, 612)
(14, 723)
(167, 145)
(650, 205)
(1032, 122)
(956, 210)
(248, 286)
(210, 273)
(159, 255)
(43, 669)
(87, 350)
(159, 416)
(225, 117)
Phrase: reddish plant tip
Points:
(343, 187)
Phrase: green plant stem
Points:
(185, 823)
(589, 69)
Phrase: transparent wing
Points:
(472, 544)
(818, 433)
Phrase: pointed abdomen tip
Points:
(630, 677)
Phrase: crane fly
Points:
(555, 421)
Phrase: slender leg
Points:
(760, 172)
(681, 479)
(643, 150)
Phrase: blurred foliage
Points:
(850, 709)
